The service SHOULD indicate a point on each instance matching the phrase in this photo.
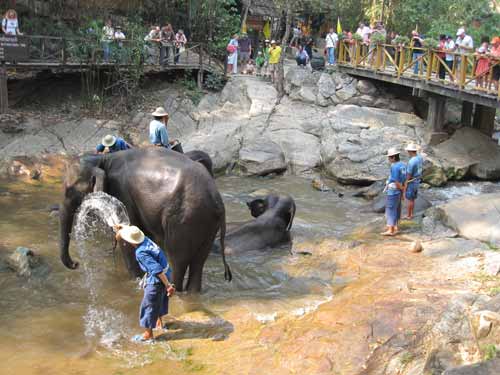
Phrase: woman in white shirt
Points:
(10, 24)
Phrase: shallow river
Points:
(51, 325)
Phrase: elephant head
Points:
(257, 207)
(282, 206)
(80, 180)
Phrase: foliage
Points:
(406, 358)
(489, 352)
(215, 82)
(377, 38)
(401, 39)
(357, 37)
(431, 43)
(191, 88)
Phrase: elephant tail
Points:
(228, 276)
(292, 216)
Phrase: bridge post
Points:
(466, 118)
(484, 119)
(4, 92)
(435, 119)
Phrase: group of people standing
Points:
(170, 44)
(403, 182)
(240, 50)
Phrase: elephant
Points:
(273, 219)
(173, 199)
(203, 158)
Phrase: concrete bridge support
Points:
(484, 119)
(435, 119)
(467, 111)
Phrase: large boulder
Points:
(261, 157)
(468, 153)
(366, 87)
(326, 85)
(491, 367)
(355, 141)
(474, 217)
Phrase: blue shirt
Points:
(152, 260)
(415, 166)
(398, 174)
(158, 133)
(119, 145)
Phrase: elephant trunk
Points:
(66, 217)
(228, 276)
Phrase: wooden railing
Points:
(59, 51)
(459, 70)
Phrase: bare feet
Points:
(387, 233)
(148, 335)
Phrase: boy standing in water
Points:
(157, 287)
(394, 189)
(413, 177)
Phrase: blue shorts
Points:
(412, 190)
(393, 209)
(154, 305)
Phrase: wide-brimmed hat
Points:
(108, 140)
(273, 41)
(392, 151)
(160, 112)
(412, 147)
(132, 234)
(460, 31)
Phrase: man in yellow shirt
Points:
(274, 59)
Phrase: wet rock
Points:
(306, 94)
(474, 217)
(260, 193)
(355, 142)
(484, 368)
(453, 248)
(371, 191)
(347, 91)
(484, 327)
(362, 101)
(366, 87)
(25, 168)
(416, 246)
(320, 185)
(25, 263)
(261, 157)
(492, 263)
(433, 228)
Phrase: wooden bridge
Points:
(58, 54)
(427, 72)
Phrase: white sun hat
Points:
(460, 31)
(273, 41)
(412, 147)
(159, 112)
(132, 234)
(392, 151)
(108, 140)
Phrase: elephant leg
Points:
(179, 271)
(196, 268)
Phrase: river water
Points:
(59, 324)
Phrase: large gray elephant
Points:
(173, 199)
(273, 215)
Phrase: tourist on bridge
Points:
(449, 48)
(10, 23)
(232, 58)
(483, 63)
(152, 45)
(158, 134)
(111, 143)
(245, 49)
(464, 45)
(157, 287)
(495, 54)
(417, 45)
(274, 59)
(394, 189)
(331, 43)
(119, 36)
(301, 56)
(167, 40)
(413, 177)
(180, 45)
(108, 35)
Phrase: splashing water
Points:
(98, 212)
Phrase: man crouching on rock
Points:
(157, 287)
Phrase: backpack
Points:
(230, 48)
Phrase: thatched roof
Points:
(261, 8)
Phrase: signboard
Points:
(13, 48)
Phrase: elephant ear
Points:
(257, 207)
(97, 179)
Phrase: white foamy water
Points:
(97, 214)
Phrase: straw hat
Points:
(412, 147)
(132, 234)
(160, 112)
(392, 151)
(109, 140)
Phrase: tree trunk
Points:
(245, 15)
(280, 79)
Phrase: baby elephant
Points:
(273, 215)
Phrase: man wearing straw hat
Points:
(394, 188)
(110, 144)
(158, 135)
(157, 287)
(413, 177)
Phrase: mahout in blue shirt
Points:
(398, 174)
(415, 167)
(152, 260)
(158, 133)
(119, 145)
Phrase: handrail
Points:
(471, 72)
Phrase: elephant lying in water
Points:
(273, 215)
(171, 198)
